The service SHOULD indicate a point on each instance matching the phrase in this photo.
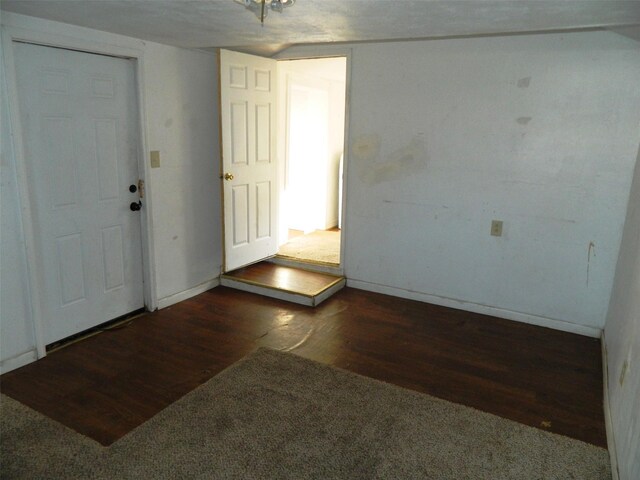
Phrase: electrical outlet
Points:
(496, 228)
(155, 159)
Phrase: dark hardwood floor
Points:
(108, 384)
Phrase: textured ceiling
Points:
(225, 23)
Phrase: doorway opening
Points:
(283, 134)
(311, 114)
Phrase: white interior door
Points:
(79, 122)
(248, 112)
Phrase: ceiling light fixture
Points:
(261, 7)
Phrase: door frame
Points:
(35, 277)
(314, 52)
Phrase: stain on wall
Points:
(524, 82)
(406, 161)
(366, 147)
(590, 253)
(564, 184)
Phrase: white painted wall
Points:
(182, 122)
(622, 342)
(540, 131)
(179, 90)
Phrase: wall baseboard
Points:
(478, 308)
(18, 361)
(608, 422)
(191, 292)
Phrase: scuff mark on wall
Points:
(548, 219)
(523, 120)
(416, 204)
(366, 147)
(403, 162)
(524, 82)
(590, 251)
(523, 182)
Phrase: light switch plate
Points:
(155, 159)
(496, 228)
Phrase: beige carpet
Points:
(276, 415)
(319, 246)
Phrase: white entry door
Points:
(79, 123)
(248, 112)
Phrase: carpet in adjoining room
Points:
(321, 246)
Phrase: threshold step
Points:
(330, 268)
(285, 283)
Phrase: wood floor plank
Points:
(108, 384)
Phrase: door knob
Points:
(135, 206)
(228, 176)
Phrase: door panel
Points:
(239, 134)
(107, 157)
(79, 121)
(113, 257)
(240, 210)
(57, 134)
(247, 111)
(263, 209)
(71, 268)
(263, 133)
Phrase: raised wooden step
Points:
(328, 268)
(285, 283)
